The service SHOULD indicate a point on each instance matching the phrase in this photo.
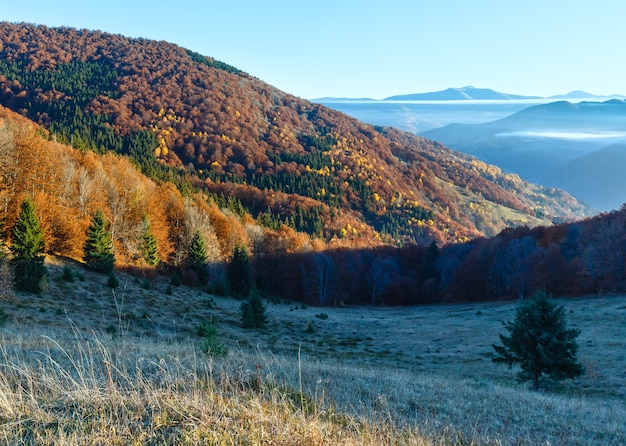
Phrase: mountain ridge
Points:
(204, 124)
(456, 94)
(471, 94)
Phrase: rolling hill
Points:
(596, 178)
(538, 141)
(205, 125)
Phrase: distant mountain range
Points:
(575, 146)
(471, 94)
(459, 94)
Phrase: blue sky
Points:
(377, 49)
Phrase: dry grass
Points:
(131, 391)
(360, 376)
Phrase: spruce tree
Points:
(27, 247)
(253, 311)
(197, 258)
(238, 272)
(149, 247)
(539, 342)
(98, 249)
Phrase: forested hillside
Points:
(69, 186)
(310, 245)
(203, 125)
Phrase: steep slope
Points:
(199, 122)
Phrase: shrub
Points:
(4, 316)
(113, 281)
(68, 275)
(177, 278)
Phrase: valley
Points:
(566, 142)
(161, 194)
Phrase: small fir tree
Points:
(539, 342)
(113, 281)
(98, 249)
(212, 345)
(253, 311)
(27, 247)
(238, 273)
(197, 258)
(149, 246)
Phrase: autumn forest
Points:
(331, 210)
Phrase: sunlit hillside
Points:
(200, 123)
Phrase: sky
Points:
(376, 49)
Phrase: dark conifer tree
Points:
(149, 247)
(27, 247)
(197, 258)
(238, 272)
(253, 311)
(539, 342)
(98, 249)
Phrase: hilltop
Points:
(206, 126)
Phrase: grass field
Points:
(83, 364)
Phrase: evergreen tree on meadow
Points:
(149, 246)
(238, 272)
(540, 342)
(98, 249)
(197, 258)
(253, 311)
(27, 247)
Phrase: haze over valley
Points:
(541, 139)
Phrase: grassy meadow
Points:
(85, 364)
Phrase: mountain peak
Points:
(469, 93)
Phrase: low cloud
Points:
(563, 134)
